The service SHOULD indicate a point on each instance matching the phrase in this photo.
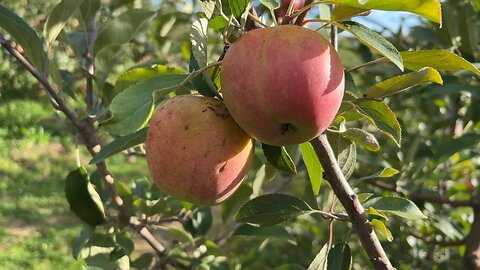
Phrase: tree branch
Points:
(89, 62)
(42, 80)
(471, 258)
(432, 241)
(86, 129)
(350, 202)
(421, 197)
(302, 15)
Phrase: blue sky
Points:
(389, 19)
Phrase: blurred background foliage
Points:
(37, 150)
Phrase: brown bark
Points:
(471, 258)
(350, 202)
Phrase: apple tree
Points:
(380, 169)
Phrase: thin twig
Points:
(42, 80)
(86, 130)
(367, 64)
(432, 241)
(330, 224)
(421, 197)
(89, 62)
(302, 13)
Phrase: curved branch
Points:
(86, 129)
(350, 202)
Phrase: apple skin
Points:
(195, 150)
(282, 85)
(282, 10)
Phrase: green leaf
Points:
(374, 212)
(218, 23)
(321, 260)
(143, 262)
(198, 57)
(380, 115)
(402, 82)
(105, 61)
(208, 8)
(339, 257)
(437, 59)
(24, 35)
(395, 205)
(380, 227)
(122, 28)
(238, 7)
(83, 198)
(447, 228)
(116, 254)
(199, 38)
(279, 158)
(133, 107)
(180, 234)
(200, 222)
(125, 241)
(214, 249)
(446, 148)
(135, 75)
(58, 18)
(345, 152)
(314, 168)
(429, 9)
(89, 9)
(270, 4)
(120, 144)
(363, 138)
(342, 12)
(268, 210)
(232, 204)
(362, 197)
(385, 173)
(81, 241)
(265, 232)
(373, 40)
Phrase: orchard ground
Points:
(37, 227)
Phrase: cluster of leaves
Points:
(126, 93)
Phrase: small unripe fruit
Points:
(282, 85)
(195, 150)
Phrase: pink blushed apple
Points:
(195, 150)
(282, 85)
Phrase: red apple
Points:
(282, 85)
(282, 10)
(195, 150)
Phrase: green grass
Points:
(37, 228)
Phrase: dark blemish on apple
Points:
(204, 110)
(185, 127)
(223, 142)
(222, 168)
(287, 127)
(206, 154)
(223, 115)
(184, 147)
